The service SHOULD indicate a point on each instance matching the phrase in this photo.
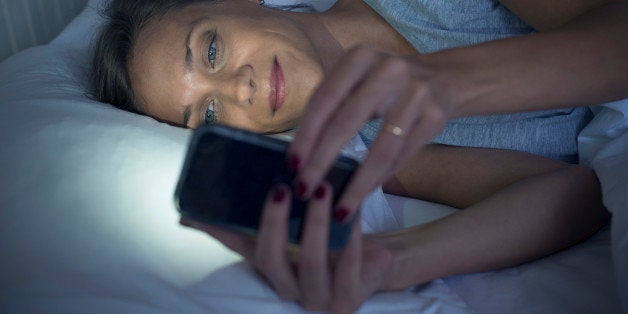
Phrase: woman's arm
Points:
(541, 208)
(463, 176)
(519, 207)
(547, 15)
(579, 57)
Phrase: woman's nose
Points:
(239, 87)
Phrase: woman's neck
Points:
(347, 24)
(353, 22)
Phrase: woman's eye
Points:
(211, 53)
(210, 113)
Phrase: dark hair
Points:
(112, 52)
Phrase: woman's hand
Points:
(365, 85)
(338, 282)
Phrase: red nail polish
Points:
(294, 162)
(320, 192)
(279, 195)
(340, 214)
(301, 189)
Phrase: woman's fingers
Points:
(327, 98)
(313, 280)
(371, 172)
(406, 127)
(366, 85)
(347, 282)
(372, 97)
(271, 257)
(430, 123)
(313, 266)
(383, 154)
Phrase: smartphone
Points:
(228, 173)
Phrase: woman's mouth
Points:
(277, 87)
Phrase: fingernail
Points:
(185, 223)
(320, 192)
(301, 189)
(340, 214)
(279, 194)
(294, 162)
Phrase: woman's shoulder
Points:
(432, 25)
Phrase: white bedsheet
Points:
(604, 146)
(87, 222)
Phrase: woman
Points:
(237, 63)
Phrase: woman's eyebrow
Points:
(187, 112)
(189, 56)
(189, 62)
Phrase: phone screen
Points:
(228, 173)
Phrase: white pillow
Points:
(87, 220)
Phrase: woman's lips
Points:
(277, 87)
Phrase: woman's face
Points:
(229, 62)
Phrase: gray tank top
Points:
(433, 25)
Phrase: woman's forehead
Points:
(180, 19)
(173, 20)
(157, 61)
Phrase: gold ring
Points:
(394, 130)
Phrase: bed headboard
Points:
(26, 23)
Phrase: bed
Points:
(88, 223)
